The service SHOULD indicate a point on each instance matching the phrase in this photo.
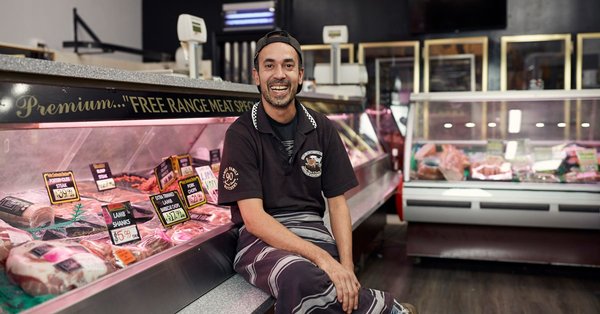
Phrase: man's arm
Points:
(272, 232)
(341, 227)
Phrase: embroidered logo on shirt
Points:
(312, 163)
(230, 178)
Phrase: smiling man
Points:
(279, 160)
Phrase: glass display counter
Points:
(60, 121)
(526, 158)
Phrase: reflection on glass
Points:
(313, 54)
(359, 137)
(393, 80)
(588, 61)
(393, 70)
(452, 73)
(456, 64)
(536, 62)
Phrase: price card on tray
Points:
(184, 164)
(215, 159)
(122, 229)
(209, 183)
(102, 176)
(193, 194)
(61, 187)
(169, 208)
(165, 174)
(587, 160)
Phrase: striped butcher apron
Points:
(297, 284)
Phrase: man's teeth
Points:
(278, 87)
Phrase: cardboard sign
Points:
(169, 208)
(102, 176)
(165, 174)
(209, 183)
(122, 229)
(61, 187)
(184, 165)
(193, 193)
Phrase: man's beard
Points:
(279, 102)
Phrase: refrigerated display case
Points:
(63, 118)
(521, 159)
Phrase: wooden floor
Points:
(457, 286)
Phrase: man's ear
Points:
(255, 77)
(301, 75)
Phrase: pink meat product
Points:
(428, 169)
(152, 242)
(426, 150)
(53, 267)
(491, 168)
(185, 231)
(452, 163)
(88, 189)
(20, 212)
(9, 238)
(211, 214)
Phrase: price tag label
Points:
(587, 160)
(169, 208)
(119, 220)
(215, 159)
(124, 235)
(165, 174)
(174, 216)
(193, 194)
(495, 148)
(61, 187)
(102, 176)
(184, 164)
(209, 183)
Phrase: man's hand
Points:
(345, 283)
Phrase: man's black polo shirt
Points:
(255, 164)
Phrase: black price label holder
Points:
(215, 156)
(122, 229)
(193, 193)
(170, 208)
(102, 176)
(61, 187)
(215, 159)
(184, 165)
(165, 174)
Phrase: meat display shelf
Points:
(56, 117)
